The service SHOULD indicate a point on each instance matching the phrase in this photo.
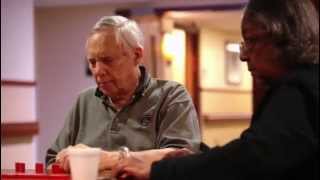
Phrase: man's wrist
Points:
(109, 159)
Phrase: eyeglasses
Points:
(251, 43)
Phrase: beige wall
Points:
(152, 44)
(217, 133)
(212, 59)
(17, 40)
(225, 101)
(176, 44)
(18, 103)
(178, 64)
(217, 97)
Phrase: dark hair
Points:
(293, 26)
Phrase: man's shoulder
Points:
(88, 92)
(86, 96)
(168, 84)
(167, 87)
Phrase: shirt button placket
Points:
(115, 125)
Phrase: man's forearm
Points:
(153, 154)
(110, 158)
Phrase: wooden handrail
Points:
(17, 83)
(226, 90)
(19, 129)
(218, 117)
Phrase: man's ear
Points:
(138, 53)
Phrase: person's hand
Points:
(178, 153)
(132, 167)
(62, 158)
(137, 165)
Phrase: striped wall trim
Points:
(22, 129)
(17, 83)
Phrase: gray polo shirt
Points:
(160, 115)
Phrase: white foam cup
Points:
(84, 163)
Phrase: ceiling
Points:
(159, 3)
(221, 20)
(50, 3)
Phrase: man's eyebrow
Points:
(105, 57)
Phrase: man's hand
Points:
(62, 158)
(137, 165)
(107, 158)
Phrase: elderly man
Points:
(128, 107)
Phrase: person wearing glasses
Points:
(281, 49)
(127, 107)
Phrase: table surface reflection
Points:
(11, 174)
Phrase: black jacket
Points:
(281, 142)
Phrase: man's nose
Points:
(100, 69)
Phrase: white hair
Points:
(127, 31)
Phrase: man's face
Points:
(114, 69)
(263, 57)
